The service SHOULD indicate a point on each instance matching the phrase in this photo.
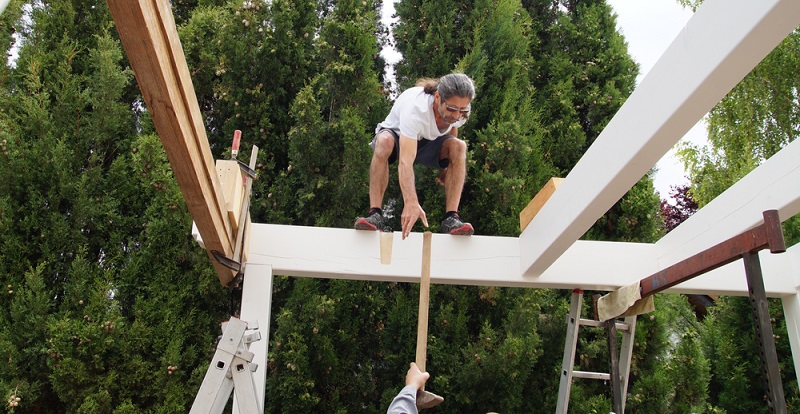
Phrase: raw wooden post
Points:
(425, 399)
(424, 301)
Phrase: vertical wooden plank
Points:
(424, 301)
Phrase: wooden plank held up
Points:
(149, 36)
(425, 399)
(528, 213)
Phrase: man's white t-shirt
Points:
(412, 116)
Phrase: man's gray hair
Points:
(456, 84)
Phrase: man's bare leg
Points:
(378, 181)
(455, 150)
(379, 169)
(454, 175)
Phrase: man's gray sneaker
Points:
(372, 221)
(454, 225)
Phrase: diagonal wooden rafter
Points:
(148, 33)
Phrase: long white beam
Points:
(482, 261)
(720, 44)
(774, 185)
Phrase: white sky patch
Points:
(389, 52)
(649, 28)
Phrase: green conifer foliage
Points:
(250, 60)
(730, 343)
(109, 305)
(335, 116)
(583, 74)
(506, 162)
(432, 37)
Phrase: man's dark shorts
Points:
(427, 150)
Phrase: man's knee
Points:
(384, 144)
(455, 149)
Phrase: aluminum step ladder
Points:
(620, 361)
(231, 371)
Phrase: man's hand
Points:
(442, 176)
(416, 377)
(411, 213)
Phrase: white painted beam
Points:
(774, 185)
(720, 44)
(480, 260)
(791, 312)
(3, 5)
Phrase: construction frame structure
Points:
(719, 45)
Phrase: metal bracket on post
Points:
(230, 370)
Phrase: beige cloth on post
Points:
(625, 301)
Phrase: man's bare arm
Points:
(405, 172)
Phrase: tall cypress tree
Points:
(432, 36)
(249, 60)
(109, 305)
(335, 115)
(506, 162)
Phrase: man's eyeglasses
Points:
(463, 112)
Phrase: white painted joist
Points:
(480, 260)
(774, 185)
(3, 5)
(720, 44)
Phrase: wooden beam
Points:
(720, 44)
(148, 33)
(532, 209)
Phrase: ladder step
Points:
(621, 326)
(591, 375)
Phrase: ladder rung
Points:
(621, 326)
(591, 375)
